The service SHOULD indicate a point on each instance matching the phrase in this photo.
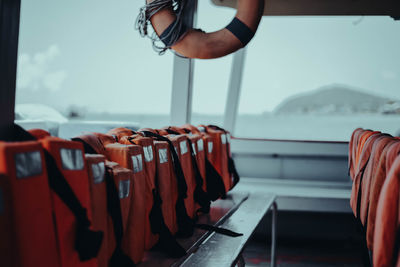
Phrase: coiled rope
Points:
(143, 20)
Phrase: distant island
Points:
(338, 99)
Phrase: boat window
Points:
(85, 61)
(211, 77)
(319, 78)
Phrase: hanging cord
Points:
(143, 20)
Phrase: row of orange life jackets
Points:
(104, 199)
(374, 167)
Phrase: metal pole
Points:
(182, 81)
(235, 84)
(9, 31)
(273, 234)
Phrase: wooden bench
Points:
(240, 212)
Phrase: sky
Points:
(88, 54)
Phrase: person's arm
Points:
(197, 44)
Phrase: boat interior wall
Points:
(324, 7)
(9, 29)
(291, 160)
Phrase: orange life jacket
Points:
(215, 186)
(167, 184)
(95, 165)
(26, 225)
(182, 149)
(359, 174)
(386, 226)
(131, 157)
(183, 221)
(352, 148)
(219, 155)
(119, 200)
(69, 157)
(227, 163)
(363, 139)
(377, 148)
(377, 182)
(150, 169)
(189, 162)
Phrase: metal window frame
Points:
(9, 32)
(234, 89)
(182, 81)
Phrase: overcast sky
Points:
(87, 53)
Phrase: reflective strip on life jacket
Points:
(96, 168)
(387, 219)
(27, 233)
(69, 158)
(131, 157)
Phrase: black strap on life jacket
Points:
(87, 242)
(166, 241)
(396, 249)
(118, 258)
(214, 182)
(200, 196)
(359, 193)
(231, 163)
(362, 229)
(185, 223)
(86, 147)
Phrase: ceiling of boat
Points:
(325, 7)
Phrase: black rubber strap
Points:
(167, 35)
(87, 242)
(241, 31)
(118, 258)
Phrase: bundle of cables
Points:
(174, 32)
